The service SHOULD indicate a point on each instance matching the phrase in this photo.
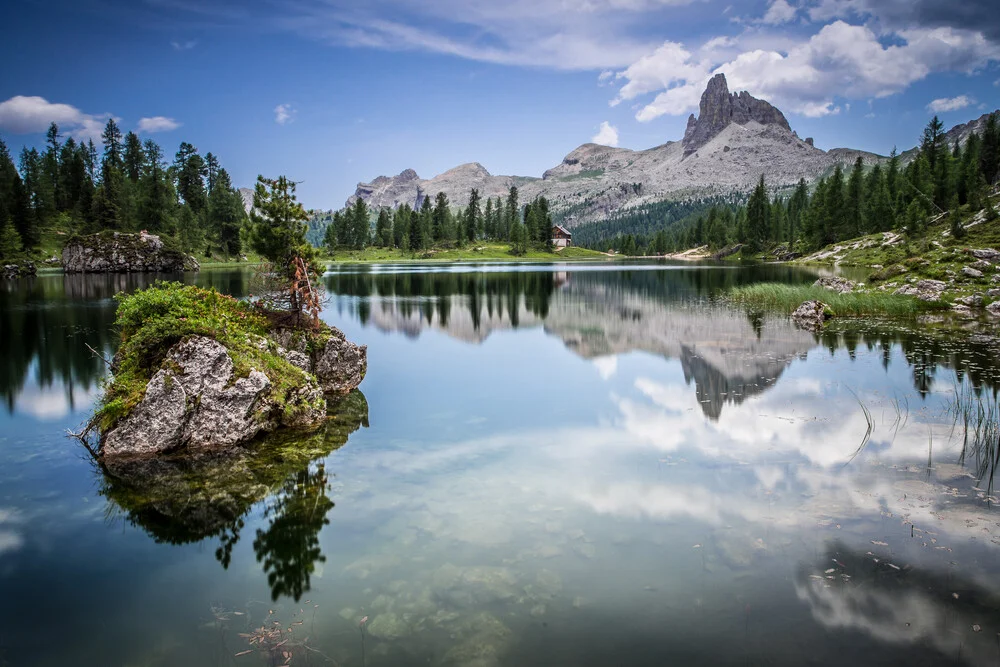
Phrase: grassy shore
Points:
(777, 297)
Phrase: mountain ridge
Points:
(735, 139)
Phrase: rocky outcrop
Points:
(13, 270)
(338, 364)
(925, 290)
(196, 401)
(115, 252)
(839, 285)
(718, 109)
(811, 315)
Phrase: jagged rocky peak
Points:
(719, 108)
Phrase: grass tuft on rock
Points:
(152, 320)
(777, 297)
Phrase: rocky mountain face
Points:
(735, 139)
(718, 109)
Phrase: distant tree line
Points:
(436, 225)
(846, 204)
(127, 187)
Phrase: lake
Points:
(545, 465)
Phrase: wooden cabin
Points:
(561, 237)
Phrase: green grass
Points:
(152, 320)
(492, 252)
(777, 297)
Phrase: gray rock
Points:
(993, 292)
(994, 309)
(18, 270)
(841, 285)
(925, 290)
(970, 272)
(987, 254)
(982, 265)
(113, 252)
(811, 315)
(341, 365)
(972, 301)
(196, 402)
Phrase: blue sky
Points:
(332, 93)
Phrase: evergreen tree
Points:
(211, 172)
(489, 226)
(277, 229)
(226, 214)
(512, 213)
(401, 227)
(989, 153)
(110, 199)
(156, 201)
(29, 223)
(360, 225)
(133, 157)
(190, 171)
(932, 141)
(855, 213)
(383, 229)
(758, 218)
(474, 217)
(189, 232)
(50, 176)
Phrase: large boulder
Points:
(337, 363)
(811, 315)
(17, 270)
(839, 285)
(115, 252)
(925, 290)
(196, 401)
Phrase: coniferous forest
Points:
(72, 188)
(435, 224)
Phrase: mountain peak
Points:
(718, 108)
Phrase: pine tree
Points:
(226, 214)
(383, 229)
(989, 152)
(133, 157)
(360, 225)
(758, 218)
(489, 226)
(190, 171)
(474, 217)
(10, 240)
(29, 223)
(211, 172)
(277, 229)
(932, 141)
(156, 199)
(110, 200)
(855, 213)
(512, 212)
(50, 176)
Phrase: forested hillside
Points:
(71, 188)
(940, 178)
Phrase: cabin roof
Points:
(562, 229)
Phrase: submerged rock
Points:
(114, 252)
(812, 315)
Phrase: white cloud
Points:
(183, 46)
(157, 124)
(607, 135)
(840, 60)
(943, 104)
(283, 114)
(779, 12)
(24, 115)
(29, 114)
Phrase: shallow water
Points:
(564, 464)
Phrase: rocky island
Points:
(116, 252)
(199, 371)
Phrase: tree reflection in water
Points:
(194, 497)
